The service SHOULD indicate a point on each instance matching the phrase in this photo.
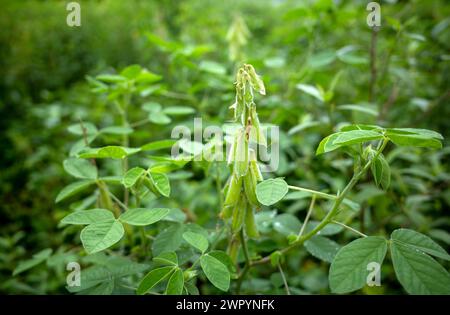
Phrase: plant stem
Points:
(311, 207)
(314, 192)
(330, 215)
(286, 286)
(247, 262)
(373, 63)
(349, 228)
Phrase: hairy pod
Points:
(250, 223)
(234, 190)
(238, 217)
(250, 188)
(241, 155)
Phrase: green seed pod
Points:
(256, 132)
(241, 156)
(255, 80)
(234, 190)
(250, 223)
(238, 215)
(149, 184)
(250, 188)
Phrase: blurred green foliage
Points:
(324, 45)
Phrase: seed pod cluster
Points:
(240, 202)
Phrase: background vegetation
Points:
(399, 78)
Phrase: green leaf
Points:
(73, 189)
(131, 72)
(176, 283)
(142, 216)
(80, 168)
(271, 191)
(161, 182)
(159, 118)
(113, 152)
(417, 272)
(322, 248)
(212, 67)
(111, 78)
(216, 272)
(311, 90)
(157, 145)
(381, 172)
(366, 109)
(326, 145)
(89, 129)
(99, 236)
(88, 216)
(348, 271)
(224, 259)
(36, 260)
(117, 130)
(420, 132)
(167, 258)
(169, 239)
(196, 240)
(153, 278)
(420, 242)
(286, 224)
(178, 110)
(132, 176)
(415, 137)
(356, 136)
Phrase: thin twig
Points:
(311, 207)
(349, 228)
(286, 286)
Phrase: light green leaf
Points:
(113, 152)
(366, 109)
(322, 248)
(212, 67)
(142, 216)
(348, 271)
(224, 259)
(153, 278)
(131, 72)
(99, 236)
(117, 130)
(178, 110)
(36, 260)
(89, 129)
(286, 224)
(176, 283)
(321, 59)
(111, 78)
(80, 168)
(326, 145)
(311, 90)
(73, 189)
(216, 272)
(132, 176)
(196, 240)
(417, 272)
(169, 239)
(88, 217)
(381, 172)
(271, 191)
(161, 182)
(415, 137)
(167, 258)
(420, 242)
(356, 136)
(159, 118)
(157, 145)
